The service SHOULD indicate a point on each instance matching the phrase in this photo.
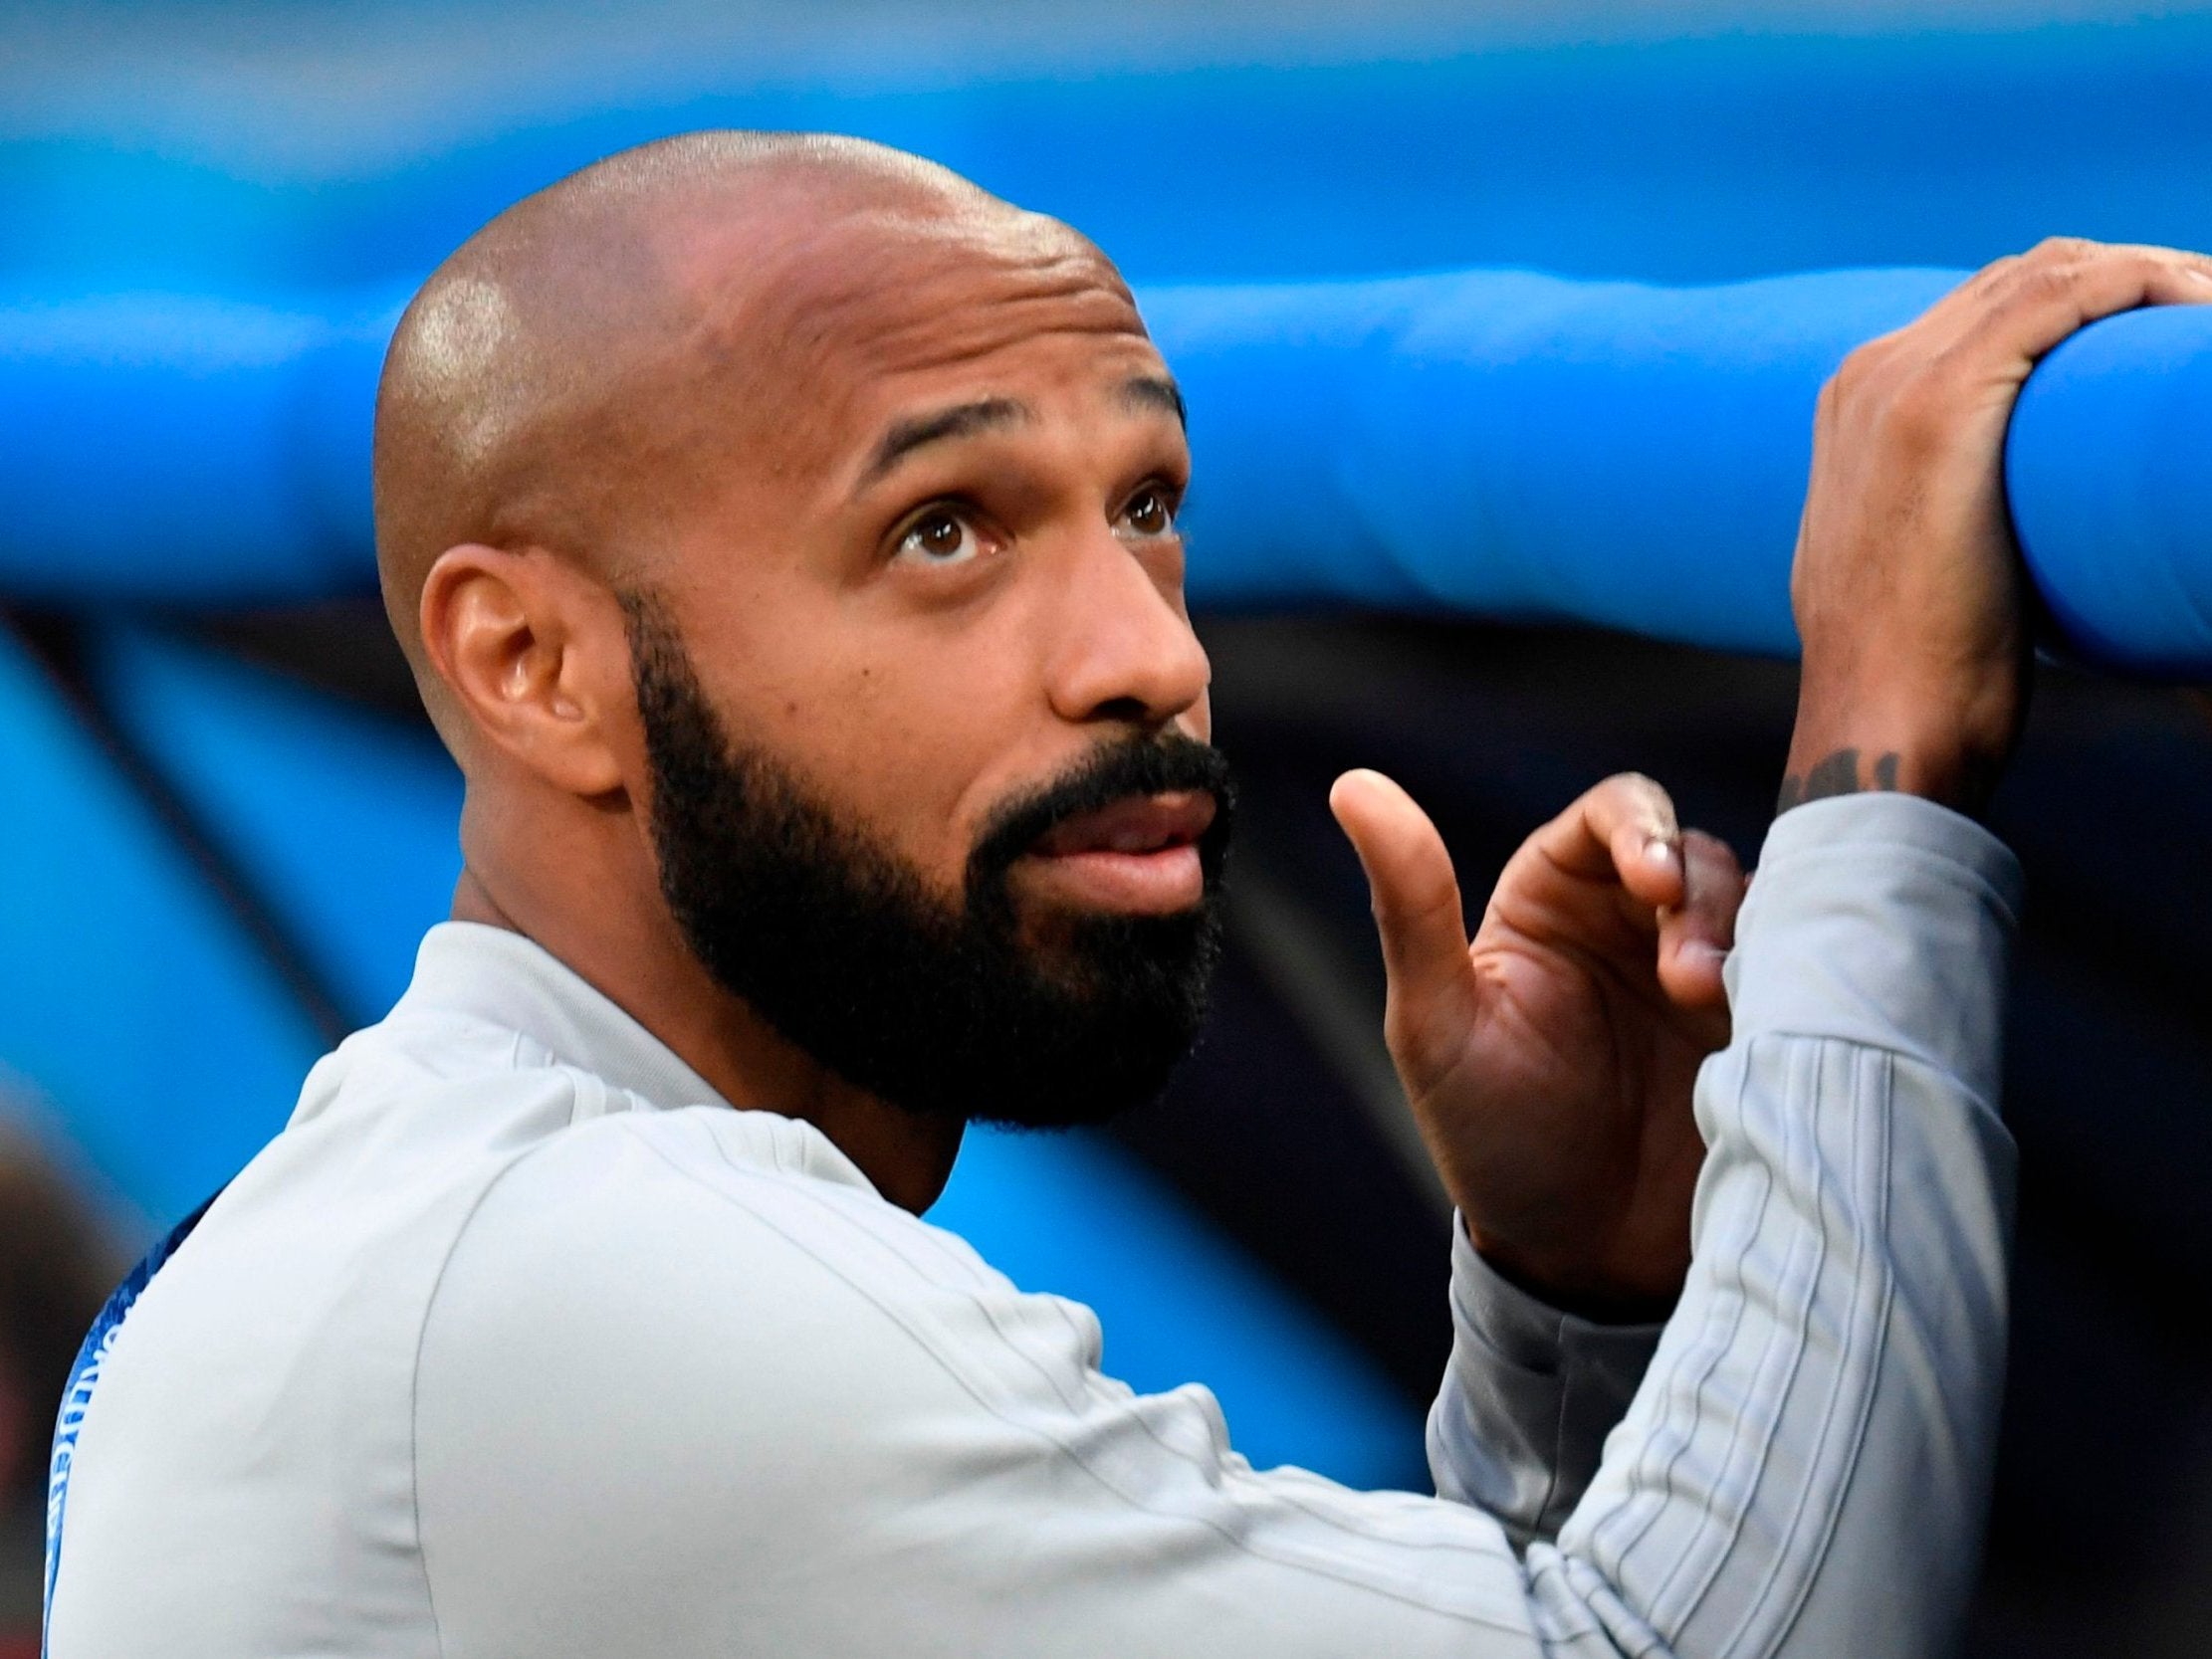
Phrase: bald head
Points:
(784, 532)
(573, 374)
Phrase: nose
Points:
(1122, 646)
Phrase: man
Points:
(784, 532)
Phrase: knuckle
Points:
(2055, 281)
(1838, 389)
(1940, 367)
(1829, 409)
(2156, 262)
(2061, 247)
(1991, 279)
(1917, 412)
(1862, 365)
(1862, 376)
(1995, 269)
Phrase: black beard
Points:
(934, 1006)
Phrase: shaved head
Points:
(783, 533)
(573, 374)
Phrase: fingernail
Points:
(2197, 276)
(1660, 851)
(1698, 954)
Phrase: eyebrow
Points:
(961, 420)
(1156, 391)
(1146, 392)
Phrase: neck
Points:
(633, 955)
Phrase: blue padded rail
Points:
(1507, 445)
(2110, 471)
(1478, 443)
(187, 450)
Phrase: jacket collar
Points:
(513, 981)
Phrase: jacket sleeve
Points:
(673, 1401)
(1528, 1398)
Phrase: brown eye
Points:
(940, 538)
(1149, 514)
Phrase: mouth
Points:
(1137, 825)
(1136, 856)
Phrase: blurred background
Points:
(227, 824)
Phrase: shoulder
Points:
(716, 1190)
(645, 1334)
(645, 1260)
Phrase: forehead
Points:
(874, 311)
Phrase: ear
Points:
(535, 655)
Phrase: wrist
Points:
(1580, 1291)
(1819, 768)
(1950, 750)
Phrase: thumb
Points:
(1415, 895)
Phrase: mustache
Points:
(1113, 773)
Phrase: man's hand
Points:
(1550, 1063)
(1907, 587)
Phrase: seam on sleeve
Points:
(1558, 1434)
(1864, 1375)
(1799, 1157)
(966, 1266)
(982, 1307)
(1860, 1305)
(1808, 1172)
(1802, 1165)
(1620, 1535)
(1889, 1052)
(1477, 1332)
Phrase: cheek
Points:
(915, 721)
(916, 741)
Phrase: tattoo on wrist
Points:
(1837, 774)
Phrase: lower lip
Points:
(1132, 884)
